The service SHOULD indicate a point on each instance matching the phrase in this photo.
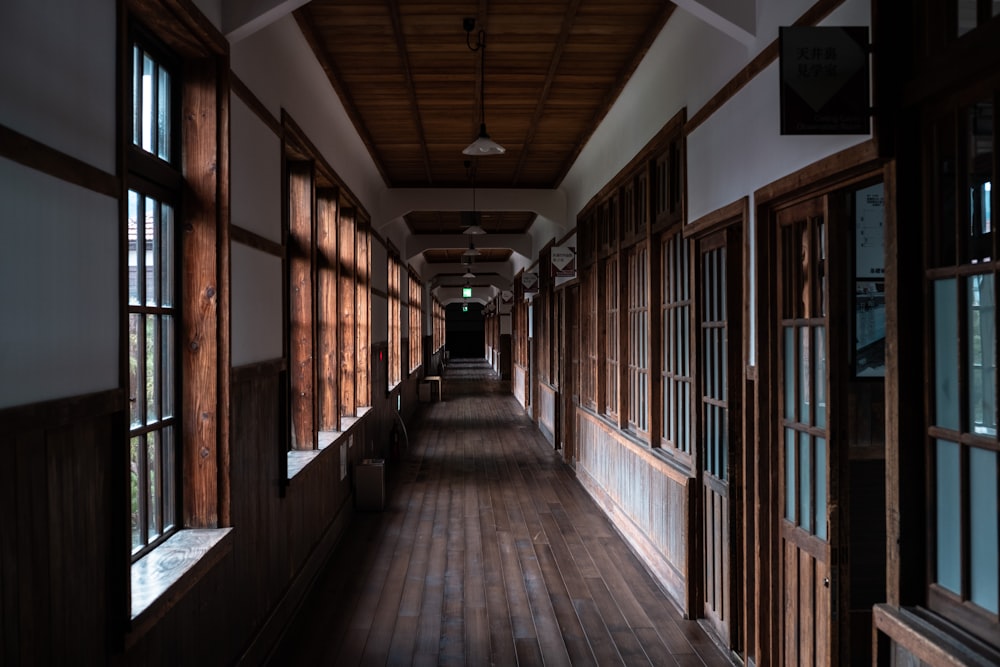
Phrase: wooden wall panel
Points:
(520, 385)
(647, 500)
(56, 541)
(547, 411)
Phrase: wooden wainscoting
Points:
(648, 500)
(520, 385)
(58, 596)
(547, 398)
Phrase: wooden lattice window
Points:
(638, 338)
(612, 342)
(394, 316)
(676, 318)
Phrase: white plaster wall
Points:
(278, 66)
(57, 75)
(687, 63)
(256, 315)
(255, 168)
(59, 288)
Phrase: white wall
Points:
(58, 288)
(278, 66)
(59, 250)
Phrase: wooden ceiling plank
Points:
(397, 29)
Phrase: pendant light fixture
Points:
(473, 227)
(483, 145)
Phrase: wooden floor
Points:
(489, 553)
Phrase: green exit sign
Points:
(466, 292)
(465, 309)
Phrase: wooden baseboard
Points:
(273, 629)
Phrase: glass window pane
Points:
(152, 482)
(978, 171)
(789, 362)
(949, 516)
(135, 233)
(163, 116)
(820, 513)
(805, 482)
(820, 380)
(152, 369)
(167, 270)
(805, 381)
(136, 95)
(168, 386)
(169, 458)
(147, 106)
(983, 545)
(790, 497)
(136, 370)
(966, 14)
(982, 355)
(946, 354)
(136, 464)
(151, 245)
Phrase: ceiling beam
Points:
(736, 18)
(417, 243)
(397, 202)
(411, 92)
(242, 18)
(569, 18)
(613, 91)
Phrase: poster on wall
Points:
(869, 282)
(563, 261)
(824, 80)
(530, 283)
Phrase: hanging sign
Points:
(564, 261)
(506, 296)
(824, 80)
(530, 282)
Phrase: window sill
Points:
(164, 575)
(299, 459)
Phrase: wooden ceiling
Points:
(411, 85)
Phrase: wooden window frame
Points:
(637, 269)
(415, 312)
(394, 315)
(959, 259)
(611, 372)
(328, 335)
(362, 315)
(300, 234)
(677, 358)
(201, 172)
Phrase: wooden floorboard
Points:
(489, 552)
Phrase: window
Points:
(362, 314)
(153, 371)
(638, 332)
(676, 354)
(327, 332)
(612, 327)
(346, 305)
(588, 313)
(395, 315)
(301, 305)
(416, 312)
(174, 343)
(152, 306)
(962, 442)
(970, 14)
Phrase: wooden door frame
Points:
(833, 173)
(731, 219)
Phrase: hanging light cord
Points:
(481, 47)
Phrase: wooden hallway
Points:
(489, 552)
